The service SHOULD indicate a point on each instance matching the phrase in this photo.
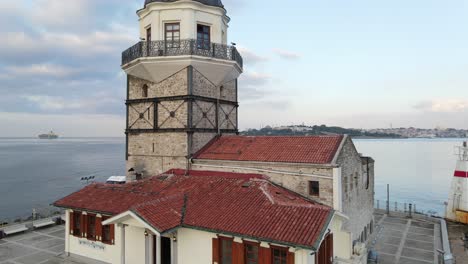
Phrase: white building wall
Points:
(194, 247)
(134, 245)
(188, 14)
(96, 250)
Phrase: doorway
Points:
(165, 250)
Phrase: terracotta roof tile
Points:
(247, 205)
(291, 149)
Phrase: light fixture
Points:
(146, 233)
(174, 238)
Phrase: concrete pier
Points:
(399, 239)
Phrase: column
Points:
(122, 250)
(158, 249)
(151, 248)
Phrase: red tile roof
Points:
(246, 205)
(291, 149)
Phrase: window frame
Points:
(77, 224)
(91, 228)
(255, 244)
(221, 240)
(203, 42)
(148, 34)
(281, 259)
(174, 41)
(312, 191)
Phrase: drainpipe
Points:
(158, 249)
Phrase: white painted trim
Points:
(115, 220)
(340, 148)
(337, 190)
(311, 165)
(264, 170)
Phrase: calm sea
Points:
(34, 173)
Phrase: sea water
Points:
(34, 173)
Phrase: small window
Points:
(314, 188)
(251, 253)
(77, 224)
(148, 34)
(225, 250)
(91, 227)
(279, 255)
(144, 91)
(203, 37)
(106, 234)
(172, 35)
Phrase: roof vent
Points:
(246, 184)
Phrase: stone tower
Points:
(181, 84)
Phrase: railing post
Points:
(213, 46)
(396, 206)
(192, 43)
(410, 209)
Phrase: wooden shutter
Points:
(84, 225)
(71, 220)
(290, 258)
(98, 228)
(330, 248)
(264, 255)
(215, 251)
(112, 234)
(237, 253)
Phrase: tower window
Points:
(144, 91)
(148, 34)
(172, 35)
(203, 37)
(314, 188)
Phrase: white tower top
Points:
(184, 19)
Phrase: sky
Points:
(354, 63)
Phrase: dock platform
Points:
(399, 239)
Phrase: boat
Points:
(50, 135)
(457, 205)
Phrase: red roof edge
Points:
(221, 174)
(207, 145)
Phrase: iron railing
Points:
(181, 47)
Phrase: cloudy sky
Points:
(356, 63)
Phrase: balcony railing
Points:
(181, 47)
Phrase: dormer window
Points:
(203, 37)
(172, 35)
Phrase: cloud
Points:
(443, 106)
(254, 78)
(42, 70)
(287, 55)
(84, 104)
(250, 57)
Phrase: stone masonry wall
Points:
(154, 153)
(357, 200)
(174, 85)
(172, 114)
(281, 175)
(229, 91)
(204, 114)
(141, 116)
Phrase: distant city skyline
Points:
(354, 64)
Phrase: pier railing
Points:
(37, 213)
(181, 47)
(408, 208)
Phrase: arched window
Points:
(144, 90)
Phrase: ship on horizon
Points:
(50, 135)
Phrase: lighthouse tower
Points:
(457, 206)
(181, 84)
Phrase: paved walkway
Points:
(37, 247)
(398, 239)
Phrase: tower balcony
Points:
(156, 60)
(179, 48)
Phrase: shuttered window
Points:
(225, 250)
(279, 255)
(77, 223)
(251, 253)
(91, 227)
